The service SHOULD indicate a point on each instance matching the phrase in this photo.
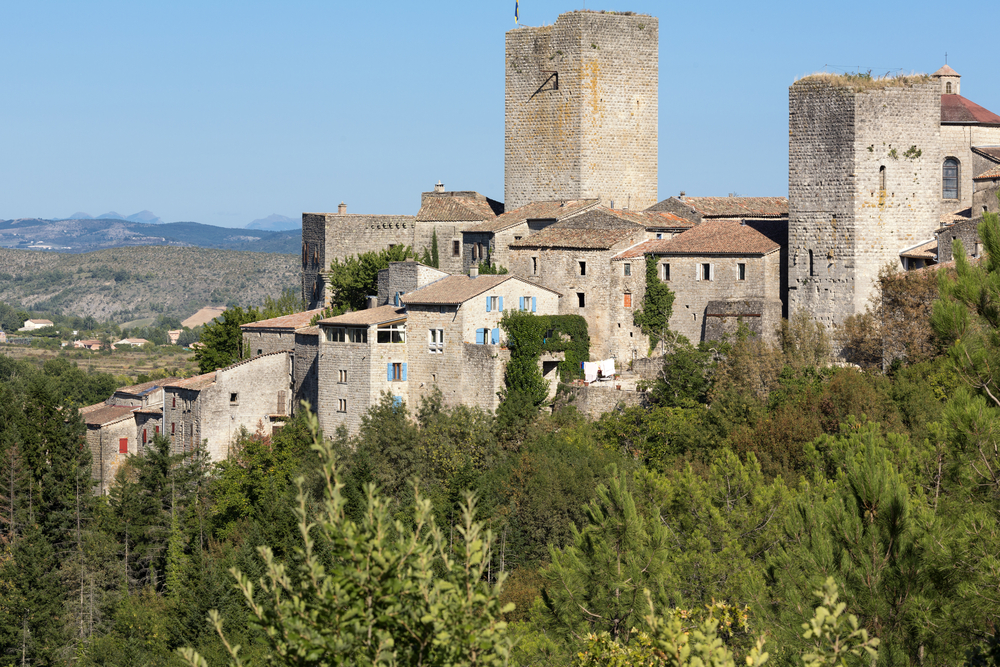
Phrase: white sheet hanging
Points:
(590, 369)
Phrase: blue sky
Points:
(223, 112)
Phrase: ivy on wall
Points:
(569, 334)
(528, 335)
(657, 305)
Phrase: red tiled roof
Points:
(456, 208)
(946, 71)
(140, 389)
(458, 289)
(989, 175)
(293, 321)
(925, 251)
(197, 382)
(989, 152)
(106, 414)
(367, 317)
(735, 207)
(957, 109)
(654, 219)
(583, 239)
(711, 237)
(539, 210)
(308, 331)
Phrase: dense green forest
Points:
(766, 505)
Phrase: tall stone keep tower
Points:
(581, 110)
(864, 182)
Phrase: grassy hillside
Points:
(124, 284)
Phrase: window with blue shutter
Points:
(480, 336)
(534, 303)
(487, 304)
(496, 336)
(388, 373)
(501, 304)
(397, 401)
(521, 304)
(404, 372)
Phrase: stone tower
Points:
(581, 110)
(864, 179)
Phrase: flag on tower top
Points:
(515, 11)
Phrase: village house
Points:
(444, 335)
(212, 408)
(90, 344)
(33, 325)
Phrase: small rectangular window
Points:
(706, 271)
(342, 376)
(123, 445)
(391, 333)
(581, 299)
(234, 398)
(435, 341)
(741, 271)
(342, 405)
(173, 428)
(494, 303)
(659, 236)
(357, 335)
(534, 266)
(397, 371)
(628, 300)
(456, 248)
(583, 268)
(336, 335)
(174, 401)
(628, 269)
(666, 272)
(517, 238)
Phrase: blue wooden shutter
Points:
(534, 303)
(397, 401)
(480, 336)
(404, 372)
(496, 336)
(501, 304)
(521, 304)
(487, 304)
(388, 372)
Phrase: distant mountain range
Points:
(80, 235)
(273, 222)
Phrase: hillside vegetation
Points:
(123, 284)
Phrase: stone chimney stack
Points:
(439, 186)
(342, 209)
(474, 272)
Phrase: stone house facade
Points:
(274, 335)
(720, 271)
(403, 277)
(581, 110)
(573, 257)
(111, 438)
(444, 335)
(211, 409)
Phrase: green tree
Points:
(223, 339)
(354, 278)
(524, 333)
(967, 316)
(374, 592)
(653, 319)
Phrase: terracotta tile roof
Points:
(736, 207)
(944, 265)
(464, 207)
(367, 317)
(148, 411)
(293, 321)
(711, 237)
(949, 219)
(45, 322)
(946, 71)
(924, 251)
(654, 219)
(308, 331)
(957, 109)
(107, 414)
(989, 175)
(594, 229)
(197, 383)
(539, 210)
(989, 152)
(454, 289)
(144, 388)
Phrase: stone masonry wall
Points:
(761, 316)
(305, 374)
(967, 232)
(262, 387)
(595, 401)
(482, 374)
(355, 359)
(843, 226)
(404, 277)
(957, 142)
(693, 294)
(264, 341)
(104, 450)
(582, 110)
(626, 340)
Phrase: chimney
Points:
(682, 193)
(439, 186)
(342, 209)
(474, 272)
(372, 302)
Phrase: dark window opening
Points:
(628, 269)
(950, 179)
(397, 371)
(582, 299)
(534, 266)
(583, 268)
(456, 248)
(706, 271)
(666, 273)
(881, 178)
(812, 267)
(234, 397)
(741, 271)
(947, 88)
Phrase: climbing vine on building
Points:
(528, 335)
(657, 305)
(569, 334)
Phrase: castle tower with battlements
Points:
(582, 109)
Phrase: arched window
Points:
(881, 178)
(947, 88)
(949, 181)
